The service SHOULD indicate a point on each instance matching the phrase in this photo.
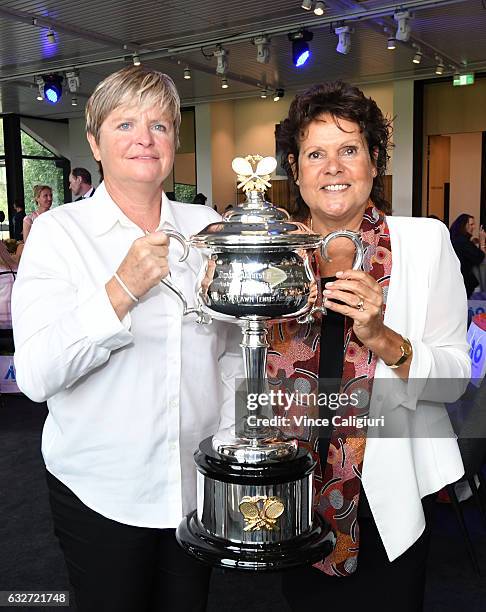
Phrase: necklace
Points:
(310, 225)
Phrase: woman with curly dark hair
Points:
(468, 253)
(402, 317)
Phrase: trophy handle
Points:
(202, 317)
(309, 317)
(354, 237)
(357, 263)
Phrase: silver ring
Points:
(360, 305)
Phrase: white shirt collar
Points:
(108, 213)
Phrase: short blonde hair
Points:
(38, 189)
(134, 85)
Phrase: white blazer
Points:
(426, 303)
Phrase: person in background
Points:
(8, 271)
(199, 198)
(18, 220)
(402, 317)
(80, 184)
(43, 200)
(132, 386)
(468, 253)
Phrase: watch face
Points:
(407, 347)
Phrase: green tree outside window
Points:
(40, 172)
(184, 193)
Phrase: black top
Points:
(330, 368)
(331, 360)
(469, 255)
(17, 224)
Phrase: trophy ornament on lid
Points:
(257, 179)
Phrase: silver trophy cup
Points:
(255, 485)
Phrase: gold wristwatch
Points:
(406, 349)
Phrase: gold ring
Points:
(360, 305)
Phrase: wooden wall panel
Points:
(438, 173)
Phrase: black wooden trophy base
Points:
(208, 542)
(302, 550)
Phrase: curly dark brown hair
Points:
(342, 101)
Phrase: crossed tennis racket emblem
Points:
(261, 512)
(253, 172)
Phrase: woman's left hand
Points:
(362, 299)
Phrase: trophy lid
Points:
(256, 222)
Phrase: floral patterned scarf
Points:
(293, 365)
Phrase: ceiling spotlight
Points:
(187, 73)
(417, 58)
(306, 5)
(404, 28)
(279, 93)
(51, 36)
(439, 69)
(224, 83)
(39, 81)
(263, 49)
(319, 9)
(300, 47)
(391, 44)
(72, 78)
(263, 93)
(52, 88)
(222, 58)
(74, 101)
(344, 39)
(136, 59)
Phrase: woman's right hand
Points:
(146, 263)
(143, 267)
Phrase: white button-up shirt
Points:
(129, 401)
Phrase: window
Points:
(30, 146)
(185, 159)
(42, 172)
(40, 166)
(26, 160)
(184, 192)
(2, 146)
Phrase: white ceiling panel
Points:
(100, 37)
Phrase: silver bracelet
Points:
(125, 288)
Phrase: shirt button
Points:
(173, 403)
(173, 446)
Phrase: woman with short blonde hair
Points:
(136, 87)
(103, 341)
(43, 200)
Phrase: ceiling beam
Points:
(358, 13)
(36, 20)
